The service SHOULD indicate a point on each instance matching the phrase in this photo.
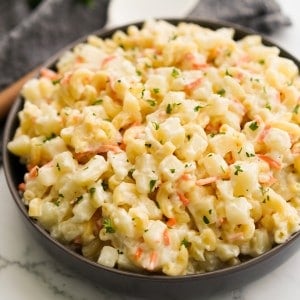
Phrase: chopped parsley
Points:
(58, 166)
(78, 199)
(148, 145)
(130, 172)
(155, 125)
(253, 125)
(169, 108)
(56, 81)
(197, 108)
(250, 154)
(296, 109)
(138, 72)
(98, 101)
(172, 171)
(92, 191)
(104, 185)
(268, 106)
(156, 90)
(221, 92)
(50, 137)
(108, 226)
(227, 73)
(152, 183)
(151, 102)
(57, 202)
(238, 170)
(205, 219)
(175, 73)
(261, 61)
(186, 243)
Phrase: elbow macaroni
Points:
(171, 149)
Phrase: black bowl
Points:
(140, 285)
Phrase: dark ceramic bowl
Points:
(146, 286)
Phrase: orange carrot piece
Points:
(207, 180)
(171, 222)
(22, 187)
(183, 199)
(106, 60)
(153, 260)
(193, 85)
(138, 253)
(270, 161)
(34, 172)
(166, 237)
(50, 74)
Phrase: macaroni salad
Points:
(166, 149)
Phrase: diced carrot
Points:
(22, 187)
(80, 59)
(270, 161)
(50, 74)
(153, 260)
(193, 85)
(34, 172)
(138, 253)
(183, 199)
(166, 237)
(235, 236)
(264, 133)
(106, 60)
(267, 180)
(207, 180)
(185, 176)
(171, 222)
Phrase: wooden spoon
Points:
(8, 95)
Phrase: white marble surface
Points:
(27, 271)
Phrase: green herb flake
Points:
(188, 137)
(151, 102)
(221, 92)
(296, 109)
(61, 195)
(92, 191)
(175, 73)
(148, 145)
(238, 170)
(156, 90)
(50, 137)
(138, 72)
(197, 108)
(130, 172)
(108, 226)
(56, 81)
(57, 202)
(169, 109)
(205, 219)
(268, 106)
(227, 73)
(143, 92)
(152, 183)
(105, 185)
(78, 199)
(261, 61)
(253, 125)
(186, 243)
(172, 171)
(250, 154)
(58, 166)
(155, 125)
(98, 101)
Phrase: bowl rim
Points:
(12, 121)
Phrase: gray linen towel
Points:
(33, 30)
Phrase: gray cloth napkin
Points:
(264, 16)
(33, 30)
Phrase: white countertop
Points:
(27, 271)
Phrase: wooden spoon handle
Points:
(8, 95)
